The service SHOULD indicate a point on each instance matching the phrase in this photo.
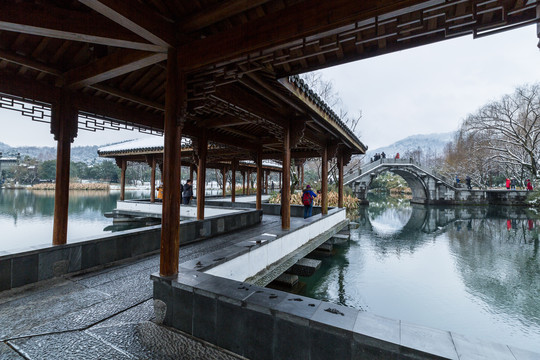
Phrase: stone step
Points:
(326, 247)
(339, 239)
(288, 280)
(304, 267)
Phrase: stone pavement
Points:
(106, 314)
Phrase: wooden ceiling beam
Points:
(217, 13)
(285, 26)
(236, 95)
(26, 62)
(221, 122)
(50, 21)
(138, 18)
(118, 63)
(265, 85)
(127, 96)
(13, 84)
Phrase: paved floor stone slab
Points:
(66, 346)
(35, 309)
(147, 340)
(7, 353)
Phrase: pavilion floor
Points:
(106, 313)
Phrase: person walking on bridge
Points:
(468, 182)
(507, 184)
(307, 200)
(529, 185)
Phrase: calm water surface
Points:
(26, 217)
(474, 270)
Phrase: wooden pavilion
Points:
(213, 71)
(150, 151)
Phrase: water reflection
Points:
(26, 216)
(473, 270)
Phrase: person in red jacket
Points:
(507, 184)
(529, 185)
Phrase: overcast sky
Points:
(424, 90)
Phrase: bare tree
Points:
(508, 131)
(326, 91)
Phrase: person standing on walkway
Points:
(187, 194)
(513, 184)
(397, 156)
(468, 182)
(272, 186)
(507, 184)
(383, 155)
(307, 200)
(529, 185)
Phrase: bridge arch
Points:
(426, 187)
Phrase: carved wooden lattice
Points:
(41, 112)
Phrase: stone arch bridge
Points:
(427, 186)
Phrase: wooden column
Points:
(340, 181)
(191, 171)
(280, 182)
(175, 100)
(302, 175)
(258, 201)
(153, 181)
(233, 181)
(224, 174)
(64, 127)
(324, 181)
(286, 185)
(266, 182)
(123, 165)
(243, 183)
(201, 174)
(248, 181)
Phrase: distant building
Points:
(6, 163)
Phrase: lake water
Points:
(26, 217)
(474, 270)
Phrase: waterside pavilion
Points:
(213, 71)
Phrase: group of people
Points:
(378, 156)
(382, 155)
(511, 184)
(185, 189)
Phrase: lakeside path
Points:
(104, 314)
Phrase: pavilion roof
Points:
(239, 58)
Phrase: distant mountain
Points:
(86, 154)
(431, 143)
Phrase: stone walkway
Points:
(107, 314)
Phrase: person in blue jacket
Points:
(307, 200)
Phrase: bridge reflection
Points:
(413, 222)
